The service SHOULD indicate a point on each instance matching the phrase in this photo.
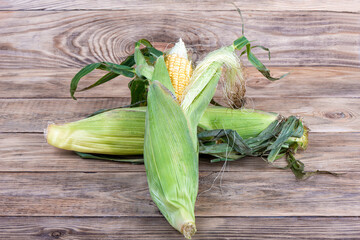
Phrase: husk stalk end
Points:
(188, 229)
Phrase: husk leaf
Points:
(171, 159)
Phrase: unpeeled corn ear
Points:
(171, 159)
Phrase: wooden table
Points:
(47, 193)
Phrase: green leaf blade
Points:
(142, 67)
(107, 77)
(260, 66)
(138, 90)
(118, 69)
(83, 72)
(115, 158)
(241, 42)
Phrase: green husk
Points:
(281, 138)
(246, 122)
(116, 132)
(170, 157)
(171, 154)
(171, 151)
(121, 131)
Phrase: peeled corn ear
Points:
(179, 68)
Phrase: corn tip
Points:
(179, 49)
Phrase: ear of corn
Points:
(179, 68)
(170, 159)
(248, 123)
(171, 155)
(105, 133)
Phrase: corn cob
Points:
(179, 68)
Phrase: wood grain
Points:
(19, 152)
(263, 5)
(72, 39)
(302, 82)
(238, 194)
(254, 228)
(320, 114)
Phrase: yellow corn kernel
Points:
(179, 68)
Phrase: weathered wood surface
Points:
(33, 115)
(127, 194)
(217, 228)
(47, 193)
(72, 39)
(338, 152)
(263, 5)
(302, 82)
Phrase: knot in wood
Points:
(56, 234)
(335, 115)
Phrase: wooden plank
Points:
(20, 115)
(237, 194)
(264, 5)
(52, 83)
(254, 228)
(33, 115)
(302, 82)
(72, 39)
(338, 152)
